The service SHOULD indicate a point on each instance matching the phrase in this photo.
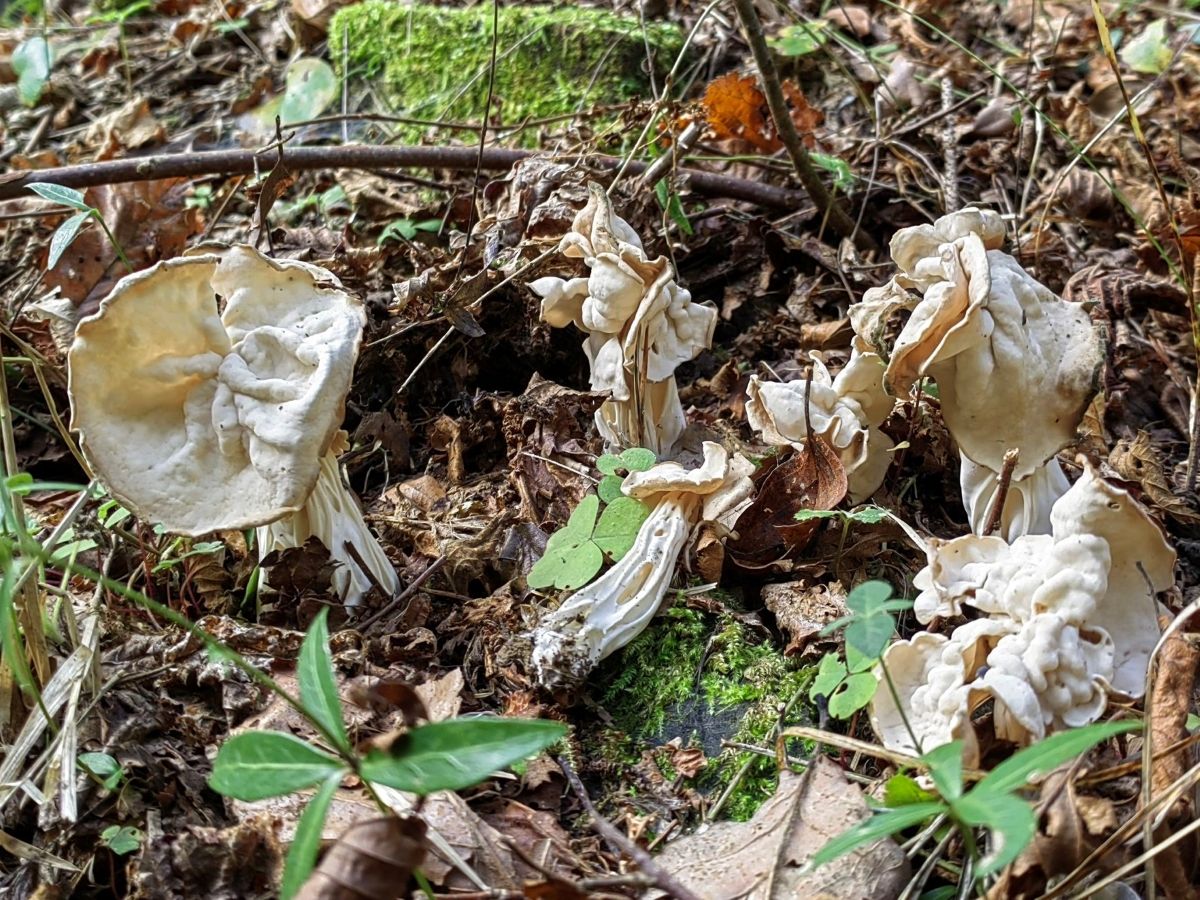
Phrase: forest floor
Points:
(472, 440)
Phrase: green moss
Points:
(432, 62)
(684, 677)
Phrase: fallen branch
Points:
(193, 164)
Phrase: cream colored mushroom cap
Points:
(202, 419)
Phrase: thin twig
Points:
(996, 510)
(839, 219)
(404, 595)
(363, 156)
(621, 844)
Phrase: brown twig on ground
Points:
(193, 164)
(404, 595)
(839, 219)
(621, 844)
(996, 511)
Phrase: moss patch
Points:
(432, 62)
(686, 677)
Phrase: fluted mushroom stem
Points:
(332, 514)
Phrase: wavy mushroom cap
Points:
(202, 419)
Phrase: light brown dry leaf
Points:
(762, 859)
(1174, 682)
(317, 13)
(442, 696)
(802, 610)
(806, 117)
(1136, 460)
(127, 128)
(370, 861)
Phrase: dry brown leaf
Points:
(806, 117)
(736, 108)
(1070, 827)
(1174, 683)
(811, 478)
(127, 128)
(150, 221)
(802, 610)
(371, 861)
(763, 859)
(1136, 460)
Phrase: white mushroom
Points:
(1015, 365)
(1071, 619)
(205, 418)
(640, 324)
(846, 411)
(610, 612)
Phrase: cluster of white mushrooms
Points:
(1067, 592)
(640, 325)
(225, 409)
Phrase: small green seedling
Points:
(121, 839)
(440, 756)
(407, 229)
(863, 515)
(104, 767)
(802, 38)
(994, 804)
(577, 551)
(849, 686)
(66, 233)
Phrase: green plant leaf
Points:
(64, 196)
(870, 634)
(852, 695)
(566, 567)
(843, 175)
(1011, 820)
(583, 520)
(857, 661)
(311, 87)
(801, 39)
(1149, 52)
(638, 459)
(103, 766)
(121, 839)
(609, 488)
(318, 685)
(618, 526)
(63, 236)
(457, 753)
(869, 515)
(608, 464)
(902, 790)
(302, 854)
(1046, 755)
(31, 61)
(805, 515)
(830, 673)
(255, 765)
(946, 769)
(879, 826)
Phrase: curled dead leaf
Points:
(371, 861)
(811, 478)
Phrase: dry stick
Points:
(949, 151)
(405, 594)
(621, 844)
(996, 511)
(838, 218)
(363, 156)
